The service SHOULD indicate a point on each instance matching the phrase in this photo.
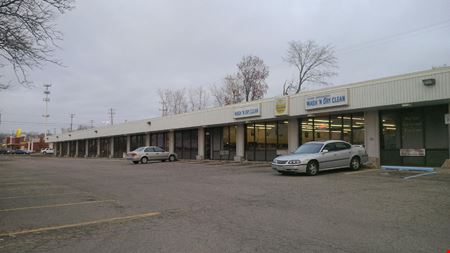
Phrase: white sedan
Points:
(314, 156)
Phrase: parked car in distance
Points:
(46, 151)
(321, 155)
(21, 152)
(145, 154)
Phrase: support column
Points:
(68, 149)
(240, 143)
(98, 147)
(128, 143)
(172, 141)
(55, 148)
(86, 151)
(372, 136)
(147, 139)
(111, 144)
(76, 148)
(292, 135)
(201, 143)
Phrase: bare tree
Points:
(198, 98)
(28, 34)
(230, 92)
(173, 101)
(253, 73)
(314, 63)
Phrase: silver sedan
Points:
(145, 154)
(326, 155)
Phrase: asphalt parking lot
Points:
(100, 205)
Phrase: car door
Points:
(328, 159)
(149, 153)
(161, 154)
(343, 153)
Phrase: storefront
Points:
(400, 120)
(414, 136)
(119, 146)
(105, 147)
(137, 141)
(186, 144)
(160, 140)
(264, 139)
(81, 148)
(92, 147)
(220, 143)
(347, 127)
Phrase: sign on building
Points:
(281, 106)
(337, 98)
(412, 152)
(447, 119)
(248, 111)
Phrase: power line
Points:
(402, 35)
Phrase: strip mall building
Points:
(401, 120)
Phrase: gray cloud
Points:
(118, 53)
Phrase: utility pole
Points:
(71, 121)
(111, 115)
(46, 100)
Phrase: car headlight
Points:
(274, 160)
(294, 162)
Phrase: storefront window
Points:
(264, 139)
(271, 140)
(137, 141)
(322, 128)
(408, 131)
(260, 139)
(92, 147)
(306, 127)
(104, 147)
(81, 148)
(250, 142)
(159, 140)
(347, 128)
(336, 127)
(358, 129)
(282, 135)
(186, 144)
(120, 146)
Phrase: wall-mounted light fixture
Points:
(95, 131)
(149, 123)
(70, 135)
(406, 105)
(429, 82)
(57, 137)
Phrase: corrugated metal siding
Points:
(365, 95)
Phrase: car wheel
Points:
(44, 153)
(144, 160)
(312, 168)
(355, 163)
(171, 158)
(135, 162)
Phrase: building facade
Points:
(401, 120)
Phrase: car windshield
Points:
(309, 148)
(139, 149)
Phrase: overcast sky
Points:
(118, 53)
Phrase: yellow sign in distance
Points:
(18, 132)
(281, 105)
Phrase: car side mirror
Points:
(325, 151)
